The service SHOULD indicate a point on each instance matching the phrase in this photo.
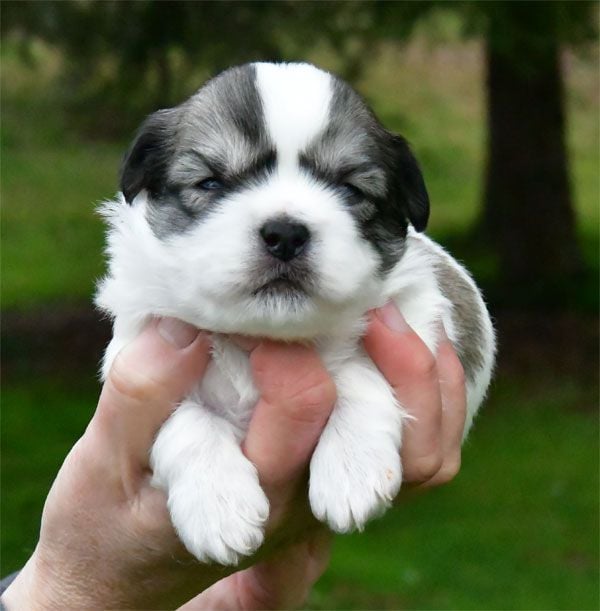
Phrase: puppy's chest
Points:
(228, 389)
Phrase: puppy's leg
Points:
(215, 500)
(355, 471)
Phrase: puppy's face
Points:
(276, 199)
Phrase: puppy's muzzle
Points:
(285, 239)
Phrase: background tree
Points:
(528, 209)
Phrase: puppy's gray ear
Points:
(145, 163)
(410, 184)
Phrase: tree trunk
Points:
(528, 212)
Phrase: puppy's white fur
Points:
(214, 497)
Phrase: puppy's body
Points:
(272, 203)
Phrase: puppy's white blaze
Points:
(295, 101)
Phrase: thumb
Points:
(147, 380)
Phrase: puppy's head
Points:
(272, 201)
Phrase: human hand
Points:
(430, 388)
(106, 537)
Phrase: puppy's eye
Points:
(353, 194)
(209, 184)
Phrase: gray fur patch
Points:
(467, 315)
(219, 134)
(356, 150)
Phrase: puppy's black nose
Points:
(285, 239)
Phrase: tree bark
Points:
(528, 211)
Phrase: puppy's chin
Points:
(280, 313)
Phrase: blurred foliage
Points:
(129, 58)
(126, 58)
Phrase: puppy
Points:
(273, 203)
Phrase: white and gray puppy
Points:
(273, 203)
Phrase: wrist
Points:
(24, 592)
(36, 587)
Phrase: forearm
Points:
(41, 588)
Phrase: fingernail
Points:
(391, 317)
(178, 333)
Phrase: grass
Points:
(40, 423)
(517, 530)
(51, 238)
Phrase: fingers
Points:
(297, 396)
(284, 581)
(147, 379)
(281, 582)
(431, 391)
(454, 410)
(411, 370)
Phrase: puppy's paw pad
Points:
(220, 519)
(349, 487)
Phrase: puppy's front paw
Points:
(219, 514)
(352, 481)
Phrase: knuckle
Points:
(424, 365)
(132, 385)
(259, 596)
(425, 467)
(312, 401)
(449, 470)
(259, 361)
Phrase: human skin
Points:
(106, 540)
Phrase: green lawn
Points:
(518, 529)
(51, 237)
